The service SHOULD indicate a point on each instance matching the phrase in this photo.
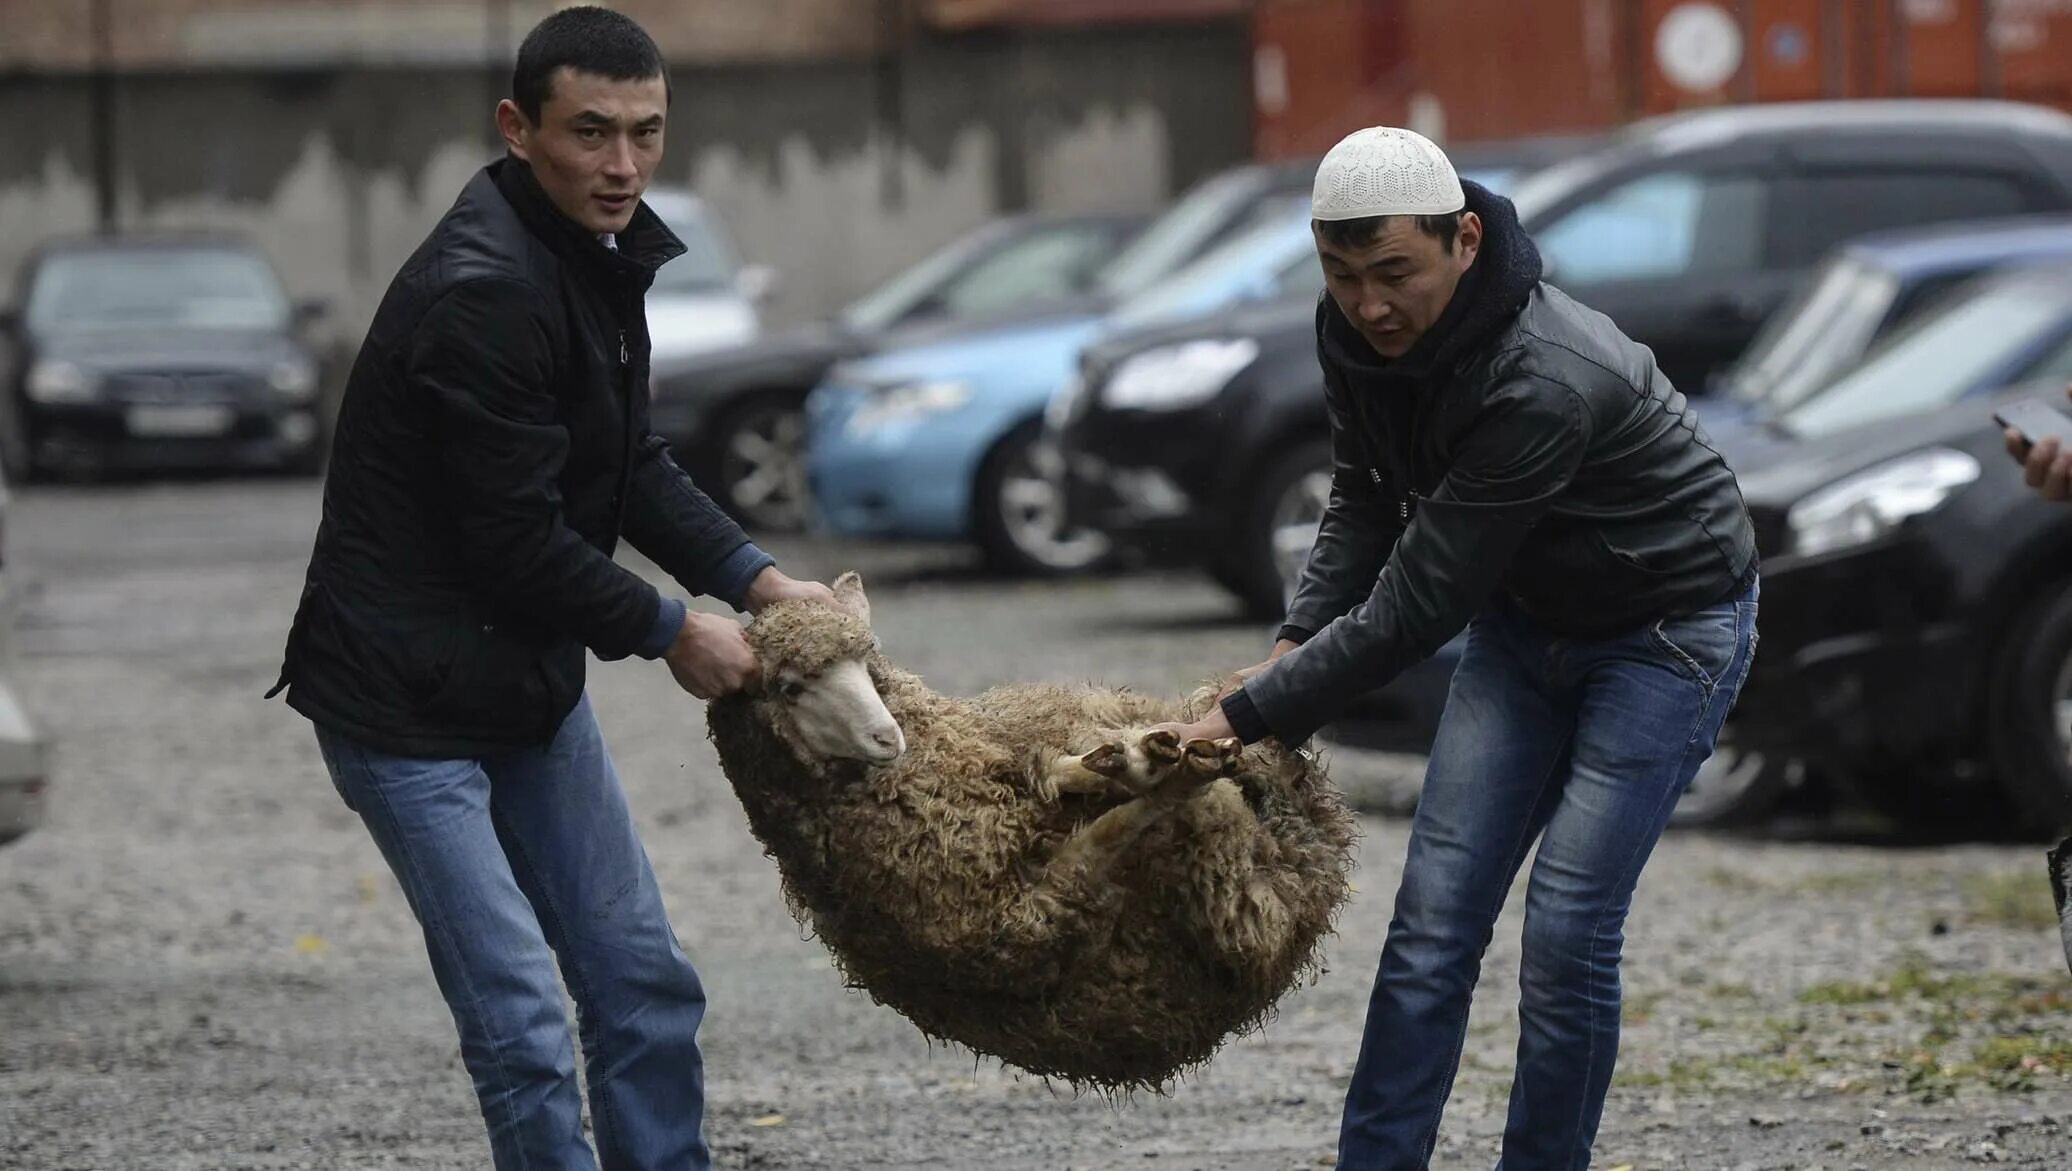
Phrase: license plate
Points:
(187, 421)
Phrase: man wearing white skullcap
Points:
(1505, 462)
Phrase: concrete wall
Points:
(838, 173)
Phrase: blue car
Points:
(938, 440)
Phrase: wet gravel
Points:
(204, 964)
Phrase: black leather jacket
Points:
(492, 447)
(1524, 445)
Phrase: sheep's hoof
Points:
(1109, 760)
(1162, 748)
(1212, 758)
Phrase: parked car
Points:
(1690, 229)
(24, 751)
(705, 299)
(1917, 598)
(934, 438)
(1917, 612)
(989, 477)
(156, 352)
(734, 415)
(1864, 290)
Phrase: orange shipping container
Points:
(1469, 70)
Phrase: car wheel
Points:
(1019, 510)
(757, 461)
(2030, 712)
(1736, 786)
(1279, 527)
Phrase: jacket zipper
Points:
(1403, 504)
(625, 355)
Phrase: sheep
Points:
(1032, 873)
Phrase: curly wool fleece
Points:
(929, 879)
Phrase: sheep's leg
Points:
(1181, 770)
(1144, 763)
(1101, 771)
(1242, 909)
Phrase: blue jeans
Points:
(1585, 746)
(509, 862)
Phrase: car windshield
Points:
(707, 264)
(1939, 358)
(1175, 237)
(155, 288)
(1249, 265)
(1814, 336)
(1540, 192)
(968, 277)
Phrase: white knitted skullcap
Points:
(1383, 170)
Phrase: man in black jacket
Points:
(1509, 463)
(492, 446)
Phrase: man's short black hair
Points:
(587, 39)
(1361, 232)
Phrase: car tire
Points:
(1018, 508)
(1264, 562)
(2029, 712)
(753, 461)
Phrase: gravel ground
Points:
(204, 964)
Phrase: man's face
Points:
(1394, 287)
(595, 146)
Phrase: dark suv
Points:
(1689, 230)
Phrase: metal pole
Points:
(103, 114)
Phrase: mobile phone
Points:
(2037, 420)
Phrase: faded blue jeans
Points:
(511, 862)
(1584, 746)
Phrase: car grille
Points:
(186, 387)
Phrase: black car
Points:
(1203, 442)
(157, 352)
(734, 416)
(1688, 230)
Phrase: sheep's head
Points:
(818, 692)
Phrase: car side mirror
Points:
(757, 283)
(10, 321)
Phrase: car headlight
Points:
(908, 401)
(1871, 503)
(52, 381)
(1171, 377)
(295, 380)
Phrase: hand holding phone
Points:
(2039, 437)
(2035, 420)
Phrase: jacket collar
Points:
(1491, 292)
(646, 244)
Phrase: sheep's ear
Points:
(848, 590)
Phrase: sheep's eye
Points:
(791, 689)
